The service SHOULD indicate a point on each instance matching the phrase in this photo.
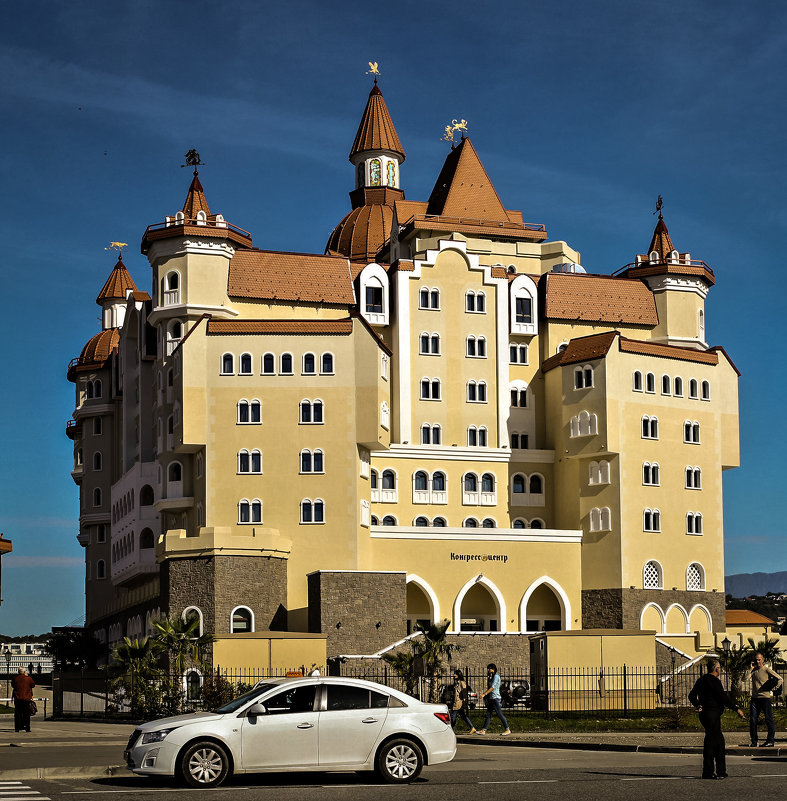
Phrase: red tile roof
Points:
(195, 200)
(745, 617)
(668, 351)
(661, 241)
(118, 283)
(362, 232)
(596, 298)
(376, 130)
(271, 275)
(98, 349)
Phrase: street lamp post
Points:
(726, 645)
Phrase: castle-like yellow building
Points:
(442, 416)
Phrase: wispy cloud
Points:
(11, 561)
(32, 75)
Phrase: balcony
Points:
(73, 429)
(171, 297)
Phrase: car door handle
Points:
(305, 725)
(369, 720)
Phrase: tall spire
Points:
(376, 130)
(661, 242)
(195, 199)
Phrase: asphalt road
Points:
(498, 774)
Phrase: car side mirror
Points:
(256, 709)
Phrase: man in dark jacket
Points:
(22, 695)
(709, 699)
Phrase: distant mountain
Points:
(742, 584)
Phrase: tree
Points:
(182, 641)
(403, 664)
(433, 647)
(137, 679)
(74, 649)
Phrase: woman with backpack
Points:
(460, 704)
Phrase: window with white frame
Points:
(439, 522)
(583, 377)
(650, 427)
(488, 522)
(651, 576)
(326, 364)
(285, 364)
(245, 364)
(311, 412)
(598, 472)
(312, 511)
(650, 474)
(691, 432)
(249, 412)
(312, 461)
(517, 354)
(429, 344)
(537, 522)
(637, 381)
(601, 519)
(701, 325)
(241, 620)
(666, 385)
(227, 364)
(520, 441)
(519, 523)
(527, 490)
(693, 389)
(650, 383)
(249, 511)
(519, 396)
(694, 523)
(695, 577)
(430, 389)
(421, 522)
(470, 489)
(522, 310)
(706, 390)
(269, 364)
(470, 522)
(309, 364)
(389, 520)
(429, 298)
(693, 478)
(677, 387)
(476, 436)
(583, 424)
(651, 520)
(475, 302)
(430, 434)
(476, 392)
(476, 347)
(385, 415)
(384, 366)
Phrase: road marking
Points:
(525, 781)
(140, 791)
(654, 778)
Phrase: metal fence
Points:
(617, 690)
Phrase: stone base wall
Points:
(619, 608)
(217, 584)
(360, 612)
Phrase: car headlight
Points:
(155, 736)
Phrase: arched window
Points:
(97, 496)
(244, 512)
(519, 523)
(97, 388)
(245, 364)
(595, 519)
(694, 523)
(326, 364)
(517, 354)
(389, 480)
(244, 463)
(421, 481)
(469, 349)
(471, 522)
(101, 569)
(438, 482)
(706, 390)
(421, 522)
(666, 385)
(651, 520)
(650, 473)
(242, 620)
(651, 576)
(536, 523)
(650, 427)
(430, 389)
(583, 377)
(256, 461)
(693, 389)
(470, 482)
(519, 483)
(312, 511)
(375, 521)
(375, 172)
(268, 364)
(487, 482)
(175, 472)
(488, 522)
(390, 173)
(389, 520)
(536, 485)
(373, 479)
(695, 577)
(89, 390)
(306, 411)
(519, 397)
(97, 460)
(308, 364)
(146, 496)
(650, 383)
(472, 436)
(678, 387)
(227, 364)
(439, 522)
(146, 539)
(701, 324)
(637, 382)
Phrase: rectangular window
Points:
(524, 310)
(374, 299)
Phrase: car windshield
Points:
(233, 706)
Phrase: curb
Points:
(624, 747)
(66, 772)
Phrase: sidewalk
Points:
(88, 750)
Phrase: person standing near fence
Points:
(708, 697)
(763, 682)
(492, 699)
(23, 697)
(460, 706)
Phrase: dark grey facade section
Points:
(360, 612)
(619, 608)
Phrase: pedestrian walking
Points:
(23, 698)
(492, 699)
(461, 704)
(708, 697)
(763, 682)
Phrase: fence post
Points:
(82, 692)
(625, 692)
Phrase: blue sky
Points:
(582, 113)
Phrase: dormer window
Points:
(673, 257)
(201, 217)
(523, 305)
(654, 257)
(374, 294)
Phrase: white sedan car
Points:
(307, 724)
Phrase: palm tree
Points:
(435, 649)
(770, 649)
(136, 659)
(182, 640)
(403, 664)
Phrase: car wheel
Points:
(399, 761)
(204, 764)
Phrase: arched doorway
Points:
(545, 607)
(419, 607)
(479, 610)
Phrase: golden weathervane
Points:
(118, 246)
(450, 130)
(373, 69)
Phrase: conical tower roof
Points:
(662, 241)
(376, 131)
(118, 283)
(195, 200)
(463, 188)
